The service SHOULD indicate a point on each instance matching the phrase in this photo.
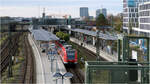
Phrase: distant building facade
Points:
(91, 17)
(135, 14)
(130, 13)
(144, 18)
(84, 12)
(101, 11)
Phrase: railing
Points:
(103, 53)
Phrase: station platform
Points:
(103, 54)
(45, 68)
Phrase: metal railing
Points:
(112, 57)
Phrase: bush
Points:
(66, 37)
(63, 36)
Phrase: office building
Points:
(84, 12)
(101, 11)
(131, 15)
(144, 18)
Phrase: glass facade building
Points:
(133, 11)
(130, 13)
(144, 16)
(131, 3)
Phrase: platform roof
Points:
(43, 35)
(92, 33)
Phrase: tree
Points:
(101, 21)
(66, 37)
(118, 23)
(118, 26)
(63, 36)
(60, 35)
(110, 19)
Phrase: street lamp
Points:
(58, 75)
(57, 70)
(52, 57)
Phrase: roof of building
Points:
(42, 35)
(101, 35)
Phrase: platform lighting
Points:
(67, 75)
(53, 57)
(97, 45)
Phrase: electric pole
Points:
(98, 45)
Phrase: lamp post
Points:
(67, 75)
(53, 57)
(97, 45)
(57, 70)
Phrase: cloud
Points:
(19, 11)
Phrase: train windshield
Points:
(62, 42)
(71, 55)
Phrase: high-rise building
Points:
(97, 12)
(144, 18)
(101, 11)
(131, 14)
(84, 12)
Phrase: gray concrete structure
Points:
(84, 12)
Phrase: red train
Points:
(68, 55)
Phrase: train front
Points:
(71, 56)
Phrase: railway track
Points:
(29, 76)
(3, 45)
(7, 50)
(76, 71)
(89, 54)
(77, 77)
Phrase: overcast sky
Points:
(34, 8)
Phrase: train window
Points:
(62, 41)
(71, 55)
(43, 50)
(68, 46)
(52, 45)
